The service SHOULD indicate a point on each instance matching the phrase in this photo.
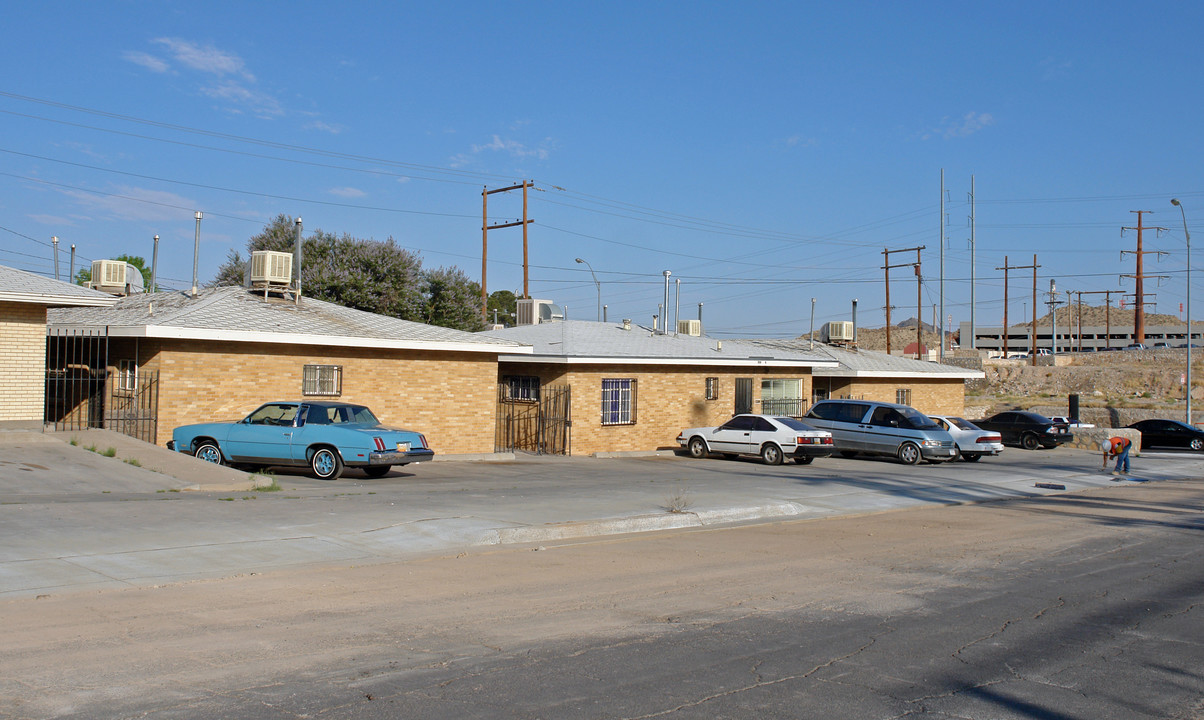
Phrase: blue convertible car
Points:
(325, 436)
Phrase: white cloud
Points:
(347, 192)
(52, 220)
(513, 148)
(800, 141)
(135, 203)
(207, 59)
(146, 60)
(259, 103)
(964, 126)
(324, 127)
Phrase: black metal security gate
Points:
(540, 425)
(744, 395)
(83, 392)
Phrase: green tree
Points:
(370, 275)
(505, 303)
(85, 273)
(452, 300)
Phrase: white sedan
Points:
(771, 437)
(972, 441)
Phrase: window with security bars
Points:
(782, 396)
(322, 380)
(712, 388)
(522, 387)
(618, 401)
(903, 396)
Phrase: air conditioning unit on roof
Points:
(271, 268)
(534, 312)
(116, 276)
(840, 331)
(689, 327)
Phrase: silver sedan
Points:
(770, 437)
(972, 441)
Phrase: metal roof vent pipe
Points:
(854, 322)
(297, 258)
(665, 307)
(626, 323)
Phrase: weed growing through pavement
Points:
(111, 452)
(133, 461)
(679, 501)
(74, 442)
(273, 486)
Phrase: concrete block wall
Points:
(22, 365)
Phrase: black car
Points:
(1028, 430)
(1169, 433)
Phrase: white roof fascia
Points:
(705, 362)
(183, 333)
(55, 300)
(966, 374)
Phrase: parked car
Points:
(972, 441)
(1169, 433)
(1028, 430)
(324, 436)
(1136, 346)
(1072, 424)
(877, 428)
(772, 438)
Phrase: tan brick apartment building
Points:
(223, 353)
(24, 300)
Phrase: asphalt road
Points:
(1066, 606)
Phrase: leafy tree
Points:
(370, 275)
(452, 300)
(505, 303)
(85, 274)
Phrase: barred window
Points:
(712, 388)
(903, 396)
(322, 380)
(618, 401)
(522, 387)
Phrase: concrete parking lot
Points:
(73, 519)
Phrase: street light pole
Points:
(596, 284)
(1187, 238)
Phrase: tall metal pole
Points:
(940, 335)
(812, 334)
(1187, 238)
(1032, 352)
(972, 329)
(54, 242)
(297, 259)
(72, 277)
(196, 250)
(155, 266)
(484, 251)
(665, 308)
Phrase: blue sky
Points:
(765, 153)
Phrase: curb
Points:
(646, 523)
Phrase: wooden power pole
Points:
(1139, 277)
(486, 227)
(919, 293)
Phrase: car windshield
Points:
(794, 424)
(917, 420)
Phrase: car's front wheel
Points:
(909, 453)
(1030, 441)
(1197, 444)
(698, 448)
(326, 464)
(771, 454)
(210, 452)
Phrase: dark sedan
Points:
(1028, 430)
(1169, 433)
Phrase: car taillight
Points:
(827, 440)
(989, 439)
(422, 439)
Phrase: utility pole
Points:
(486, 227)
(1107, 313)
(1138, 278)
(1032, 343)
(919, 293)
(1053, 302)
(939, 326)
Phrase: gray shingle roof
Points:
(238, 314)
(25, 287)
(869, 363)
(608, 342)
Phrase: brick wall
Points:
(22, 364)
(449, 397)
(668, 399)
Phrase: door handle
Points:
(288, 434)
